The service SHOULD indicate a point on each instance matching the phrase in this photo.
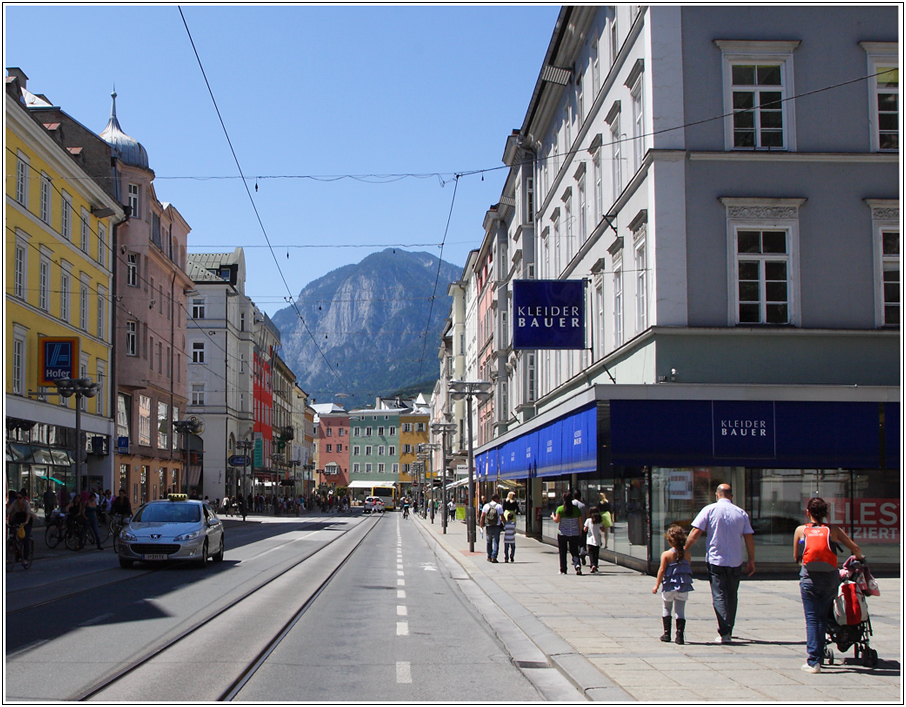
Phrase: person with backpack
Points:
(492, 521)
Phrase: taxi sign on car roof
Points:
(178, 497)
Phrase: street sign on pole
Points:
(238, 460)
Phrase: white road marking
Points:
(402, 628)
(401, 610)
(401, 583)
(400, 593)
(403, 672)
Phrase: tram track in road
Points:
(245, 632)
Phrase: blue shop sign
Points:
(548, 314)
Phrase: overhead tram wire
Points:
(252, 201)
(440, 262)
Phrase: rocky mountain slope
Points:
(360, 331)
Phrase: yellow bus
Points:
(387, 493)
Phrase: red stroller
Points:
(849, 624)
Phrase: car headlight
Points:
(126, 535)
(187, 536)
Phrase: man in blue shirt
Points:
(730, 537)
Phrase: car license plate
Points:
(154, 557)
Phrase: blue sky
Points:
(309, 95)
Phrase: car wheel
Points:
(124, 563)
(204, 554)
(219, 556)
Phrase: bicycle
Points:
(53, 533)
(21, 550)
(117, 523)
(405, 512)
(74, 535)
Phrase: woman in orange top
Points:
(819, 576)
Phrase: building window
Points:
(595, 67)
(131, 338)
(618, 304)
(84, 230)
(19, 277)
(638, 123)
(102, 245)
(641, 279)
(885, 217)
(529, 200)
(64, 295)
(599, 320)
(144, 420)
(163, 425)
(133, 201)
(18, 366)
(44, 285)
(46, 199)
(614, 37)
(132, 269)
(763, 238)
(617, 157)
(758, 80)
(66, 218)
(198, 394)
(22, 180)
(583, 211)
(83, 307)
(198, 308)
(197, 352)
(102, 314)
(884, 89)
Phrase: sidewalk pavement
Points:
(602, 632)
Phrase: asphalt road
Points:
(394, 622)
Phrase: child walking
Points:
(593, 538)
(509, 536)
(675, 573)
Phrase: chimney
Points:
(16, 72)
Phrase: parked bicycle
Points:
(21, 546)
(56, 526)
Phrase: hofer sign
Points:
(549, 314)
(57, 357)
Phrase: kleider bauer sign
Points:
(58, 358)
(548, 314)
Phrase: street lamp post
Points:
(425, 455)
(246, 445)
(467, 390)
(81, 388)
(442, 428)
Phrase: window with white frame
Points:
(44, 284)
(599, 187)
(132, 338)
(46, 199)
(198, 307)
(18, 381)
(583, 210)
(133, 203)
(22, 167)
(197, 352)
(102, 244)
(529, 214)
(616, 157)
(885, 218)
(198, 394)
(163, 426)
(84, 231)
(617, 302)
(66, 217)
(144, 420)
(640, 249)
(83, 306)
(758, 81)
(884, 95)
(65, 279)
(763, 237)
(132, 269)
(19, 272)
(368, 467)
(614, 37)
(100, 400)
(599, 319)
(102, 313)
(638, 123)
(595, 66)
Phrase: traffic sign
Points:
(238, 460)
(58, 359)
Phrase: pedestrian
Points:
(91, 517)
(818, 577)
(50, 501)
(509, 536)
(577, 502)
(592, 529)
(606, 516)
(730, 538)
(674, 576)
(451, 509)
(511, 504)
(568, 517)
(492, 521)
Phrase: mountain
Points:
(360, 330)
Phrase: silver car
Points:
(172, 529)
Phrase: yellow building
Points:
(413, 432)
(59, 228)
